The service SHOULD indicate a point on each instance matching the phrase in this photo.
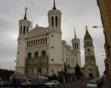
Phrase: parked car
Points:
(92, 83)
(26, 81)
(52, 83)
(6, 82)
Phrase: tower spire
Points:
(86, 27)
(25, 17)
(74, 33)
(54, 6)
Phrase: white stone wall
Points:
(55, 52)
(20, 61)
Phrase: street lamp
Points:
(97, 26)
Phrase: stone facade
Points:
(90, 68)
(41, 50)
(105, 10)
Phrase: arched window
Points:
(56, 20)
(75, 45)
(36, 54)
(52, 20)
(21, 30)
(24, 30)
(88, 43)
(43, 52)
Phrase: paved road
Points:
(75, 84)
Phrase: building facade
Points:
(90, 68)
(105, 10)
(41, 50)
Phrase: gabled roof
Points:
(38, 31)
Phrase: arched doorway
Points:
(36, 64)
(44, 62)
(28, 64)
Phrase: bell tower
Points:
(54, 18)
(91, 70)
(24, 28)
(55, 41)
(24, 25)
(76, 48)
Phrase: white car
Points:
(26, 81)
(92, 84)
(52, 83)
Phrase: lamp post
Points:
(97, 26)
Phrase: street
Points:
(75, 84)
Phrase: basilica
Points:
(41, 50)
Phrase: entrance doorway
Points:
(90, 75)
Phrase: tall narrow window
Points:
(52, 20)
(24, 30)
(56, 19)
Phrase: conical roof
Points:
(87, 35)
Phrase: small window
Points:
(52, 47)
(52, 59)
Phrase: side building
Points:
(90, 68)
(105, 10)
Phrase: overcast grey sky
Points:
(75, 13)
